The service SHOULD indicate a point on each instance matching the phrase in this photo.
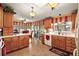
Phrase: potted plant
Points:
(8, 9)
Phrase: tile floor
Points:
(36, 48)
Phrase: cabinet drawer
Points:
(21, 37)
(68, 45)
(26, 36)
(15, 43)
(73, 46)
(8, 44)
(69, 49)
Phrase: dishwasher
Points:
(47, 40)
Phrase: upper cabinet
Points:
(73, 19)
(65, 23)
(1, 17)
(47, 23)
(8, 19)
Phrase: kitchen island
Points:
(15, 42)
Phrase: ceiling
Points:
(23, 10)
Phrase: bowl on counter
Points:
(25, 31)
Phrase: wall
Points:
(77, 31)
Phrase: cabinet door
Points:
(1, 17)
(26, 41)
(73, 43)
(73, 18)
(47, 23)
(14, 43)
(53, 41)
(62, 43)
(7, 31)
(69, 44)
(73, 46)
(8, 42)
(42, 39)
(57, 42)
(21, 41)
(8, 20)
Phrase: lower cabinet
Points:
(21, 39)
(15, 43)
(26, 41)
(62, 43)
(8, 42)
(65, 43)
(42, 39)
(70, 44)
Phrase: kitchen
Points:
(55, 30)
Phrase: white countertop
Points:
(20, 34)
(65, 35)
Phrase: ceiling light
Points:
(52, 5)
(32, 13)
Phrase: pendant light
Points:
(32, 13)
(52, 5)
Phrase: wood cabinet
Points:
(26, 40)
(8, 20)
(42, 39)
(55, 42)
(47, 23)
(1, 17)
(7, 31)
(69, 17)
(21, 39)
(8, 42)
(70, 44)
(65, 43)
(62, 42)
(15, 43)
(73, 19)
